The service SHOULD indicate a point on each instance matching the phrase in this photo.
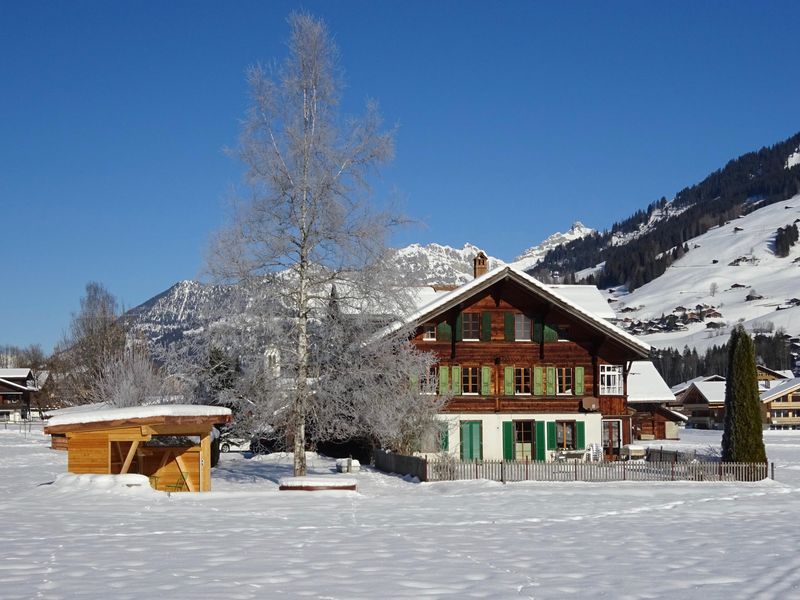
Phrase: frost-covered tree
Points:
(308, 222)
(130, 379)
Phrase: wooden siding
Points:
(88, 453)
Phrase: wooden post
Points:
(772, 469)
(128, 459)
(205, 462)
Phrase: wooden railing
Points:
(446, 469)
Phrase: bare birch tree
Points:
(308, 223)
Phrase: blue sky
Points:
(515, 119)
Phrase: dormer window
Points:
(429, 332)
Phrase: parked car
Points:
(234, 444)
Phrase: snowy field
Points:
(396, 539)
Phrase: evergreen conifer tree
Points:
(742, 439)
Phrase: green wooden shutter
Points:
(578, 381)
(508, 326)
(551, 435)
(444, 332)
(550, 334)
(486, 380)
(551, 381)
(580, 427)
(455, 380)
(414, 382)
(477, 439)
(444, 385)
(459, 327)
(508, 440)
(537, 330)
(486, 327)
(537, 381)
(508, 381)
(444, 438)
(466, 440)
(540, 441)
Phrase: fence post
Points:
(503, 471)
(576, 469)
(720, 470)
(476, 468)
(673, 471)
(772, 470)
(624, 474)
(425, 467)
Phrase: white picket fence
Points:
(507, 471)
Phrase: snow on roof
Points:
(676, 389)
(713, 391)
(96, 413)
(588, 297)
(788, 373)
(786, 387)
(645, 384)
(15, 385)
(14, 373)
(447, 301)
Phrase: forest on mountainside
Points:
(751, 181)
(772, 351)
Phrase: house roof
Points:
(15, 373)
(451, 299)
(786, 387)
(677, 389)
(587, 297)
(712, 391)
(645, 384)
(778, 374)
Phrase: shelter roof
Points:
(102, 414)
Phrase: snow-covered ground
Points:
(394, 538)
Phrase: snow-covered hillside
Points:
(534, 255)
(712, 282)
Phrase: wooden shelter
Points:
(170, 444)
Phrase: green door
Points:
(471, 440)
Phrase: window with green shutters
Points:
(540, 441)
(551, 435)
(508, 440)
(508, 381)
(551, 381)
(579, 381)
(471, 440)
(486, 327)
(580, 426)
(456, 380)
(508, 326)
(444, 332)
(538, 381)
(486, 380)
(444, 380)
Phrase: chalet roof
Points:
(101, 413)
(587, 297)
(685, 385)
(645, 384)
(15, 373)
(15, 385)
(449, 300)
(712, 391)
(778, 374)
(786, 387)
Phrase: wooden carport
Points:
(170, 444)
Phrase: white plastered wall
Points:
(492, 429)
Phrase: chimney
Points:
(479, 264)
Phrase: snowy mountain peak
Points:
(534, 255)
(437, 264)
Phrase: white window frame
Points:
(465, 375)
(612, 380)
(429, 332)
(569, 391)
(518, 317)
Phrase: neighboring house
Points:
(768, 378)
(704, 402)
(680, 390)
(652, 403)
(532, 372)
(16, 387)
(781, 405)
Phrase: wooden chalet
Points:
(704, 403)
(170, 444)
(654, 409)
(16, 388)
(781, 405)
(532, 374)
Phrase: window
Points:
(471, 327)
(469, 380)
(522, 380)
(430, 383)
(522, 328)
(564, 380)
(562, 332)
(523, 440)
(565, 435)
(611, 380)
(429, 332)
